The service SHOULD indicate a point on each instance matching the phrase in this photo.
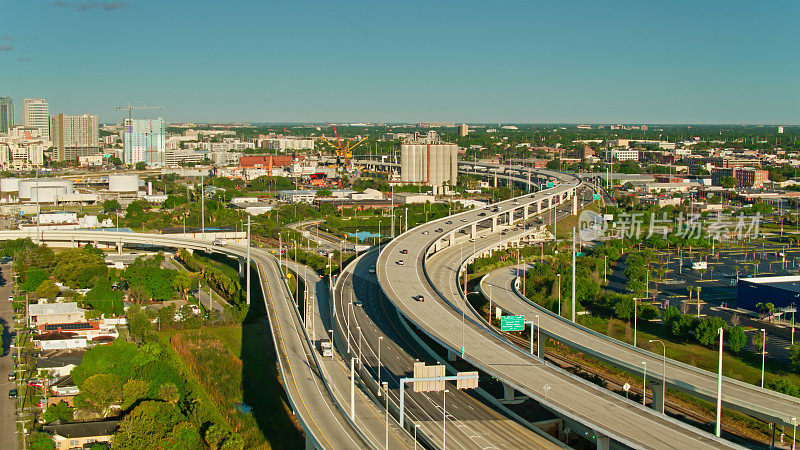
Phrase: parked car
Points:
(12, 376)
(35, 382)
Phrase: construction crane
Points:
(342, 148)
(131, 108)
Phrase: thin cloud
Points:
(6, 48)
(90, 5)
(6, 37)
(23, 60)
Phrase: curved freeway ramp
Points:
(744, 397)
(325, 426)
(432, 255)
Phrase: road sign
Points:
(579, 253)
(550, 184)
(421, 370)
(471, 383)
(626, 387)
(596, 197)
(512, 323)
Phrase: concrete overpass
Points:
(437, 251)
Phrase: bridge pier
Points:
(525, 211)
(242, 267)
(119, 247)
(508, 392)
(473, 231)
(452, 239)
(574, 204)
(494, 224)
(656, 389)
(603, 441)
(451, 356)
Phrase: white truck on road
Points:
(699, 265)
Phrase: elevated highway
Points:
(322, 420)
(434, 253)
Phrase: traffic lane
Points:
(475, 425)
(641, 426)
(8, 426)
(501, 283)
(444, 316)
(301, 382)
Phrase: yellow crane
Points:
(342, 148)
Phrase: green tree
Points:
(141, 165)
(58, 411)
(707, 330)
(737, 339)
(682, 326)
(154, 424)
(169, 393)
(794, 356)
(99, 392)
(728, 182)
(760, 340)
(39, 440)
(110, 206)
(670, 314)
(134, 390)
(47, 289)
(784, 387)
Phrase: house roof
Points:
(42, 309)
(60, 359)
(82, 429)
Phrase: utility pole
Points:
(248, 260)
(573, 274)
(203, 205)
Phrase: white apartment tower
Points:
(36, 114)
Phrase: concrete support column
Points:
(495, 179)
(473, 231)
(526, 211)
(242, 267)
(494, 224)
(655, 387)
(119, 247)
(539, 206)
(603, 441)
(451, 355)
(508, 392)
(574, 204)
(452, 238)
(510, 220)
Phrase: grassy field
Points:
(565, 225)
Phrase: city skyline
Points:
(710, 63)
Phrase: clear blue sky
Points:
(707, 61)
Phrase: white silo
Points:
(44, 189)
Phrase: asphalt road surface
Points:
(8, 426)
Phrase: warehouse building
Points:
(782, 292)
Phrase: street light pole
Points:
(794, 431)
(380, 339)
(635, 320)
(386, 416)
(763, 354)
(444, 419)
(538, 338)
(719, 386)
(663, 373)
(558, 275)
(644, 383)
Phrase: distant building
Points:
(73, 132)
(408, 198)
(463, 130)
(427, 160)
(81, 434)
(36, 114)
(144, 141)
(622, 155)
(52, 313)
(297, 196)
(780, 128)
(746, 177)
(6, 114)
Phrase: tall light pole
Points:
(415, 436)
(538, 338)
(248, 260)
(573, 275)
(663, 373)
(444, 419)
(763, 353)
(719, 386)
(558, 275)
(386, 416)
(360, 362)
(794, 431)
(352, 388)
(380, 339)
(644, 384)
(635, 320)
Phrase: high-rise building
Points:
(6, 114)
(73, 132)
(780, 128)
(463, 130)
(427, 160)
(144, 141)
(36, 114)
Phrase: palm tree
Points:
(698, 302)
(710, 273)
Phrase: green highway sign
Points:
(596, 197)
(579, 253)
(512, 323)
(550, 184)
